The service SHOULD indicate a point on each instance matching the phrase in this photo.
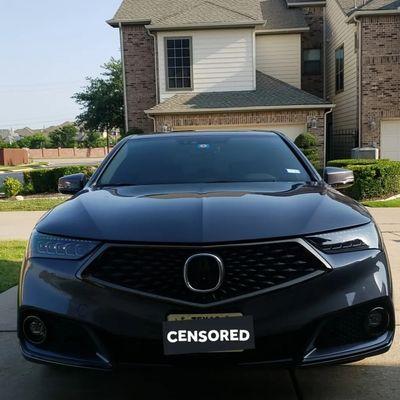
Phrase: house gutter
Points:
(121, 38)
(307, 4)
(214, 25)
(238, 109)
(371, 13)
(281, 31)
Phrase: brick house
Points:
(263, 64)
(218, 64)
(363, 75)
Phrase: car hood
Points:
(203, 213)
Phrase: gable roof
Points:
(175, 13)
(368, 5)
(270, 93)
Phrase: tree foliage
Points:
(93, 139)
(64, 137)
(307, 143)
(36, 141)
(102, 100)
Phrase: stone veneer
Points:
(313, 39)
(251, 119)
(139, 63)
(380, 74)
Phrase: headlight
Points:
(360, 238)
(47, 246)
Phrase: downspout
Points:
(359, 33)
(156, 77)
(121, 38)
(326, 132)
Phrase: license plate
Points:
(207, 333)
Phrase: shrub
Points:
(12, 187)
(374, 179)
(307, 143)
(46, 180)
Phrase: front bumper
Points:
(104, 328)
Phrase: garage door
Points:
(390, 139)
(292, 131)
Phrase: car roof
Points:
(206, 133)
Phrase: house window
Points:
(179, 63)
(312, 62)
(339, 69)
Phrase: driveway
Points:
(374, 378)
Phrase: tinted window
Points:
(218, 158)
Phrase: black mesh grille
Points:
(248, 269)
(348, 327)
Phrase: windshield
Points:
(204, 159)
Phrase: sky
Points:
(47, 48)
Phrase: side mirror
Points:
(72, 184)
(339, 178)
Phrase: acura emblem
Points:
(203, 273)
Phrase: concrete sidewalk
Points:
(18, 225)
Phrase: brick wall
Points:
(380, 74)
(11, 157)
(140, 75)
(313, 39)
(98, 152)
(232, 119)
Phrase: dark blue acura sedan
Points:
(205, 248)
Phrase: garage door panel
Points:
(390, 139)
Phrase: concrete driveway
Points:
(374, 378)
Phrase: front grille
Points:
(248, 269)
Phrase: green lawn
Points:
(23, 166)
(388, 203)
(11, 254)
(30, 204)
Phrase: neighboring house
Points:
(288, 65)
(223, 64)
(363, 75)
(9, 136)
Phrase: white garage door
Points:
(390, 139)
(291, 131)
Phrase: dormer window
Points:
(179, 63)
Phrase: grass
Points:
(30, 204)
(23, 166)
(11, 255)
(387, 203)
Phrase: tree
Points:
(64, 137)
(36, 141)
(102, 100)
(93, 139)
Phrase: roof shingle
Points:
(270, 92)
(166, 13)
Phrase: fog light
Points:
(35, 330)
(377, 320)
